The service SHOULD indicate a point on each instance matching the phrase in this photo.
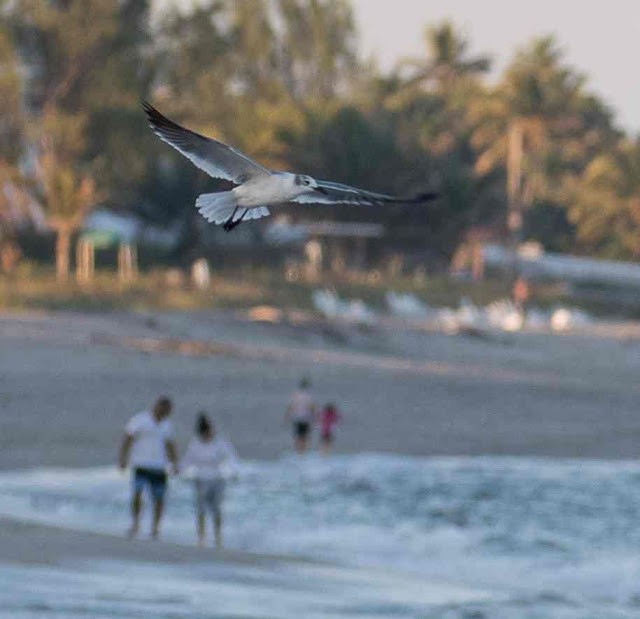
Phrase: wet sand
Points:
(31, 543)
(84, 575)
(68, 384)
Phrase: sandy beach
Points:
(69, 382)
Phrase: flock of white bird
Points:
(500, 315)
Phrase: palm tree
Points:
(520, 124)
(447, 60)
(606, 207)
(424, 102)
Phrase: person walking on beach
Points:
(520, 294)
(300, 413)
(328, 418)
(148, 448)
(209, 461)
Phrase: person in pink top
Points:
(328, 418)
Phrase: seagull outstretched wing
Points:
(337, 193)
(215, 158)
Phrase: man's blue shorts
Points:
(155, 479)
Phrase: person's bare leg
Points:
(200, 525)
(136, 508)
(301, 445)
(158, 508)
(217, 528)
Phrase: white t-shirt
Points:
(149, 440)
(213, 459)
(301, 406)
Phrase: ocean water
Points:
(453, 538)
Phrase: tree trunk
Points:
(515, 152)
(514, 163)
(63, 250)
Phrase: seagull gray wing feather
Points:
(215, 158)
(337, 193)
(255, 213)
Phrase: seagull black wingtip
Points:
(153, 116)
(147, 107)
(421, 198)
(158, 121)
(426, 197)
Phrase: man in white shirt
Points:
(301, 412)
(148, 448)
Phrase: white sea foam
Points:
(516, 538)
(218, 590)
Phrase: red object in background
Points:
(328, 418)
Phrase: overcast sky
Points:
(601, 39)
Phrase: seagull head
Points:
(309, 183)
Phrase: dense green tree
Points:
(249, 73)
(606, 206)
(83, 62)
(539, 127)
(11, 130)
(346, 145)
(82, 81)
(282, 80)
(427, 102)
(318, 50)
(11, 121)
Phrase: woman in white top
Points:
(209, 461)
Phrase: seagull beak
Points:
(321, 190)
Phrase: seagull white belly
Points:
(266, 191)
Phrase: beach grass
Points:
(34, 287)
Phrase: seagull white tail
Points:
(217, 207)
(220, 206)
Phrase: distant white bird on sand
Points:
(257, 187)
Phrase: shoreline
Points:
(51, 572)
(30, 543)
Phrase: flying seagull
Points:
(257, 188)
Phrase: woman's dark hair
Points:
(203, 425)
